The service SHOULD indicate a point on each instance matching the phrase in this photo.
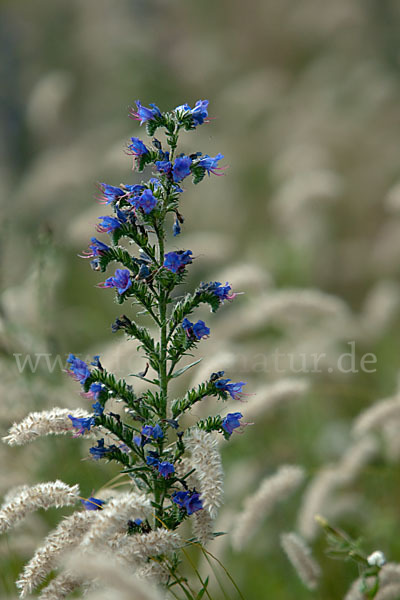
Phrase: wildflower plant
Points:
(172, 462)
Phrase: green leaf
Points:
(183, 369)
(152, 381)
(203, 590)
(212, 424)
(118, 254)
(194, 395)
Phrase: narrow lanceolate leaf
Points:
(203, 590)
(118, 254)
(143, 335)
(194, 395)
(137, 234)
(186, 368)
(211, 424)
(139, 291)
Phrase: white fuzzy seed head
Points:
(68, 534)
(206, 460)
(390, 573)
(300, 556)
(389, 592)
(60, 587)
(272, 490)
(138, 548)
(322, 487)
(114, 516)
(377, 415)
(117, 582)
(29, 499)
(47, 422)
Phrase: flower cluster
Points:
(140, 210)
(163, 453)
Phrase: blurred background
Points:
(306, 221)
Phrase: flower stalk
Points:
(152, 442)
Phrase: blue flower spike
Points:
(150, 438)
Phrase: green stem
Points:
(199, 577)
(217, 577)
(163, 300)
(178, 581)
(229, 576)
(162, 371)
(163, 295)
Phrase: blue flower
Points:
(166, 469)
(99, 451)
(181, 168)
(109, 193)
(163, 166)
(138, 521)
(94, 391)
(189, 500)
(156, 182)
(135, 189)
(110, 224)
(210, 164)
(96, 362)
(144, 114)
(137, 147)
(176, 261)
(148, 432)
(199, 113)
(223, 292)
(78, 369)
(82, 423)
(197, 330)
(152, 459)
(155, 432)
(93, 503)
(193, 503)
(233, 389)
(98, 409)
(231, 422)
(182, 108)
(147, 202)
(96, 248)
(176, 228)
(121, 281)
